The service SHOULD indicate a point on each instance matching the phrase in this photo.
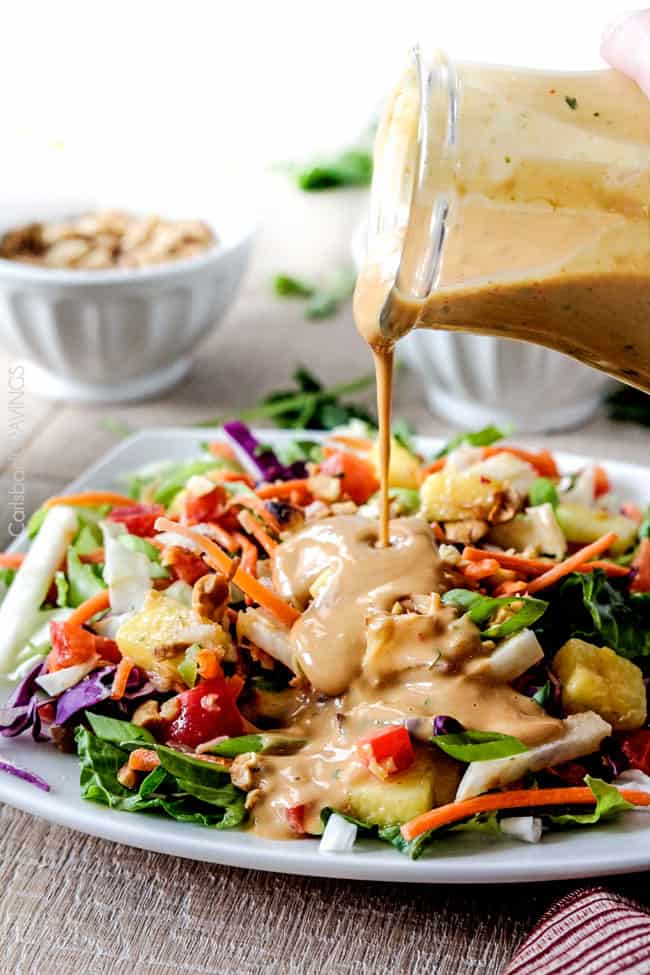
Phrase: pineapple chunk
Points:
(584, 525)
(597, 679)
(431, 781)
(404, 470)
(163, 630)
(459, 495)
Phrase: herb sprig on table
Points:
(323, 301)
(308, 405)
(353, 167)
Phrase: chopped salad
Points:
(195, 639)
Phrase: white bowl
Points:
(123, 334)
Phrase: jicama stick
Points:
(19, 609)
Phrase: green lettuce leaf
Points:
(599, 610)
(100, 762)
(543, 491)
(480, 438)
(175, 479)
(120, 733)
(478, 746)
(609, 803)
(481, 608)
(194, 791)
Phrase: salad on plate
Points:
(225, 641)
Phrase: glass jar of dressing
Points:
(513, 203)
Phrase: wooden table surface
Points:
(75, 905)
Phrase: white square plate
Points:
(615, 848)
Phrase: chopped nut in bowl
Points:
(108, 304)
(108, 238)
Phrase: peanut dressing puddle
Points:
(367, 667)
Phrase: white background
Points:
(109, 98)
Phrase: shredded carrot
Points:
(246, 582)
(574, 561)
(543, 461)
(90, 499)
(481, 569)
(219, 448)
(453, 812)
(641, 581)
(433, 467)
(439, 534)
(96, 604)
(93, 558)
(224, 538)
(256, 505)
(121, 678)
(517, 562)
(610, 568)
(250, 524)
(248, 553)
(224, 476)
(11, 560)
(536, 567)
(284, 489)
(208, 664)
(354, 443)
(510, 588)
(143, 760)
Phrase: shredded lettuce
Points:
(543, 491)
(136, 544)
(84, 580)
(188, 667)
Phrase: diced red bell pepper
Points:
(358, 477)
(296, 819)
(641, 580)
(386, 752)
(71, 645)
(205, 507)
(635, 745)
(138, 519)
(206, 711)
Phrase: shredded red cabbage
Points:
(443, 724)
(23, 773)
(22, 710)
(266, 462)
(95, 688)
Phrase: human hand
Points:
(626, 46)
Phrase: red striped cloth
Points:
(589, 932)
